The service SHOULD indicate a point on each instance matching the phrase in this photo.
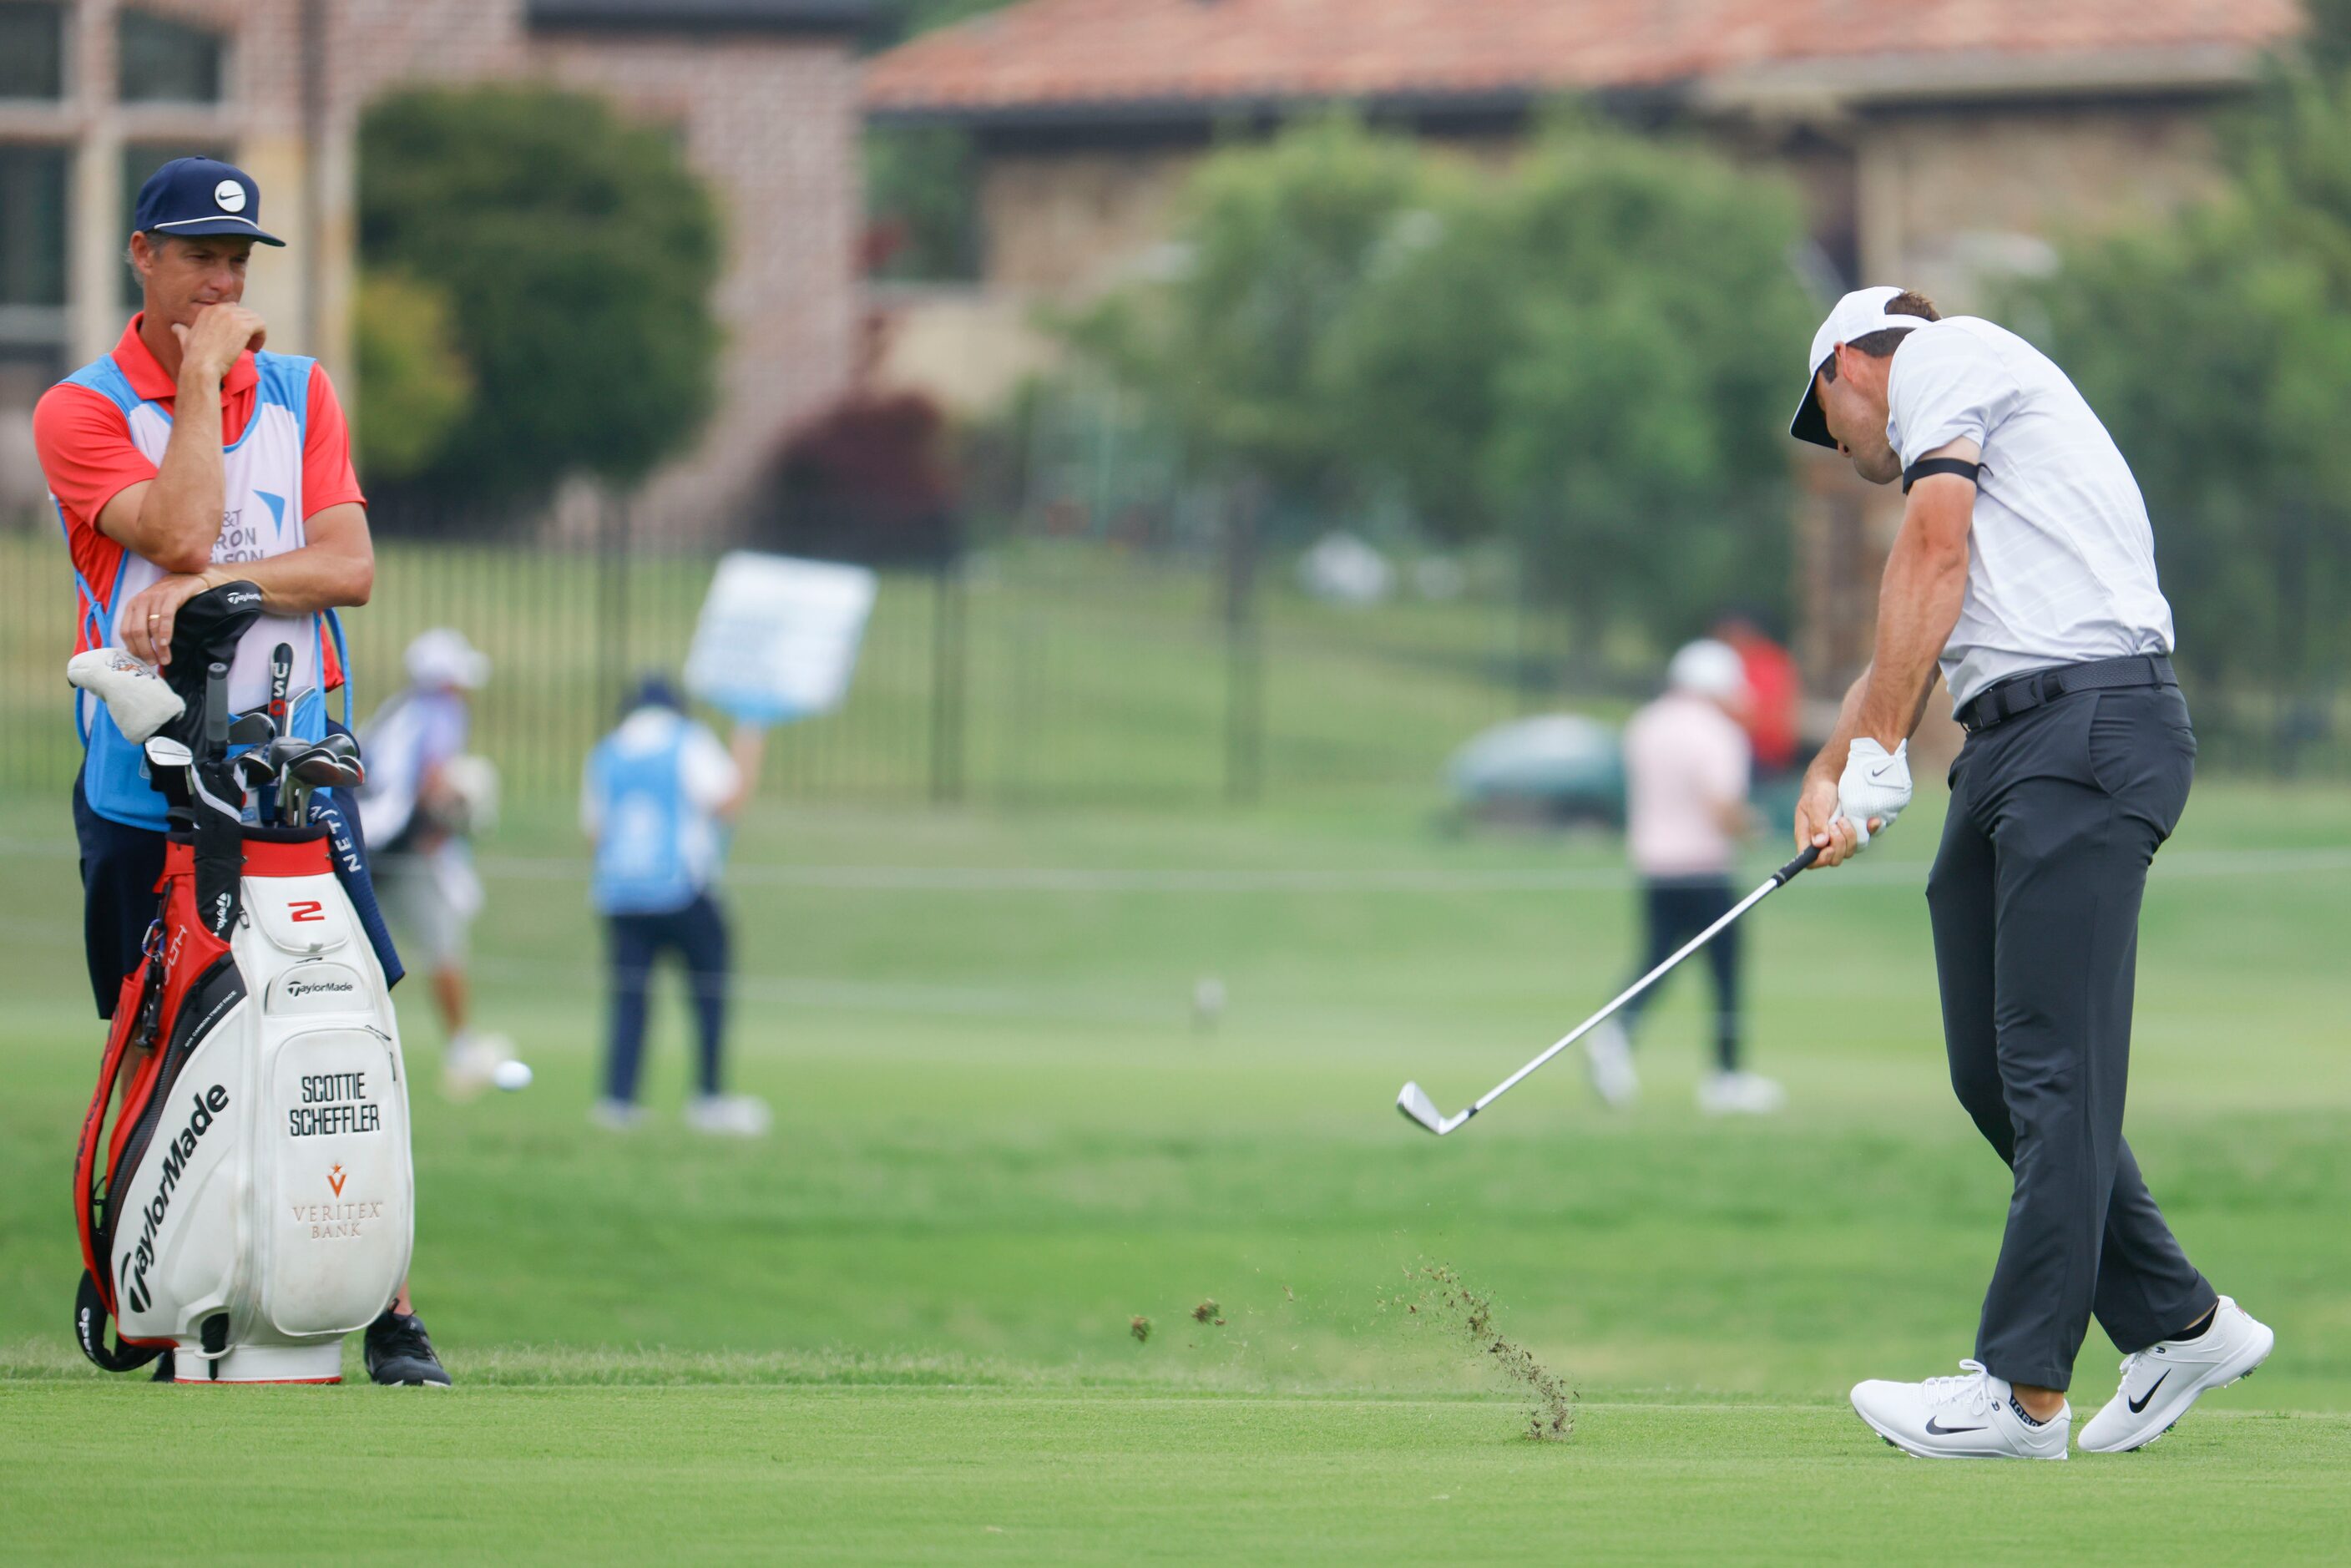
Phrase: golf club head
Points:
(346, 750)
(252, 769)
(252, 729)
(162, 752)
(1419, 1109)
(319, 768)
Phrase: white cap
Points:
(442, 657)
(1707, 668)
(1857, 315)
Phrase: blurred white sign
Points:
(779, 637)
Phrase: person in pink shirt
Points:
(1686, 767)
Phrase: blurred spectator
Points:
(659, 794)
(424, 800)
(1686, 773)
(1775, 692)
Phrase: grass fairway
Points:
(869, 1475)
(899, 1329)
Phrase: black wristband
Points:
(1925, 467)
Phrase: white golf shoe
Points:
(1969, 1416)
(1740, 1094)
(728, 1115)
(2162, 1381)
(1608, 1058)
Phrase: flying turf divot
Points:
(1445, 1302)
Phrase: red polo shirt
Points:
(89, 458)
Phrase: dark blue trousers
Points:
(697, 934)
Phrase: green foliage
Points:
(1585, 352)
(1277, 240)
(577, 252)
(1594, 352)
(2217, 351)
(418, 385)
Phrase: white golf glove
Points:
(137, 698)
(1874, 784)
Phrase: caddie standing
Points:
(186, 458)
(2025, 571)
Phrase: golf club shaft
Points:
(1778, 880)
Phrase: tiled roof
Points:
(1066, 55)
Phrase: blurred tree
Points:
(577, 253)
(418, 386)
(2217, 351)
(1276, 241)
(1585, 352)
(1588, 353)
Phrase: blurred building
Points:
(94, 94)
(1939, 143)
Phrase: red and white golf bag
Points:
(250, 1202)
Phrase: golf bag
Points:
(249, 1201)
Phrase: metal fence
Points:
(1041, 670)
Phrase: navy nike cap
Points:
(192, 196)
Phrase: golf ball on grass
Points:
(512, 1075)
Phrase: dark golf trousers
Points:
(697, 934)
(1678, 908)
(2054, 817)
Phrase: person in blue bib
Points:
(187, 458)
(659, 796)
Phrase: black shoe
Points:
(400, 1352)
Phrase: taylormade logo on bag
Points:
(310, 988)
(176, 1154)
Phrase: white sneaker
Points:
(1608, 1058)
(616, 1115)
(2162, 1381)
(470, 1065)
(1963, 1417)
(728, 1115)
(1740, 1094)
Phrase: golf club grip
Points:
(216, 708)
(281, 676)
(1795, 867)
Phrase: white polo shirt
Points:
(2061, 559)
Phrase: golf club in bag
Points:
(1422, 1111)
(248, 1200)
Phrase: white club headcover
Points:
(1875, 783)
(137, 698)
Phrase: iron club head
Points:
(252, 729)
(1421, 1110)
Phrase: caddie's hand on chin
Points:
(1819, 827)
(1875, 789)
(145, 623)
(220, 334)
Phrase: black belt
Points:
(2020, 693)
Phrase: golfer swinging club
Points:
(2025, 566)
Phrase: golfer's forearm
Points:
(1917, 604)
(748, 747)
(1829, 763)
(178, 520)
(306, 581)
(335, 568)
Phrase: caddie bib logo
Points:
(335, 1178)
